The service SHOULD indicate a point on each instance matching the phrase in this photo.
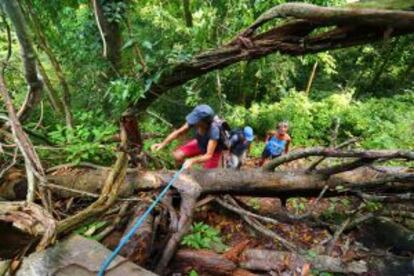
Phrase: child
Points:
(277, 143)
(240, 142)
(205, 148)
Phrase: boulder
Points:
(77, 256)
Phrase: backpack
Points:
(275, 146)
(225, 131)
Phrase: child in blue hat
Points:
(240, 141)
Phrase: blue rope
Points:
(137, 224)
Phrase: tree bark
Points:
(333, 16)
(187, 13)
(29, 218)
(204, 261)
(361, 154)
(138, 248)
(267, 260)
(34, 94)
(249, 182)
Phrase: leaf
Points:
(147, 44)
(193, 273)
(128, 43)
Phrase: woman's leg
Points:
(190, 149)
(213, 162)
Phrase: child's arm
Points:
(269, 135)
(287, 146)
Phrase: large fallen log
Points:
(268, 260)
(251, 182)
(138, 248)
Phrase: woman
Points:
(207, 146)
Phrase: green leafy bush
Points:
(203, 236)
(88, 141)
(380, 123)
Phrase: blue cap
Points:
(199, 113)
(248, 133)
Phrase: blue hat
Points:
(199, 113)
(248, 133)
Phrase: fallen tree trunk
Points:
(268, 260)
(192, 184)
(250, 182)
(138, 248)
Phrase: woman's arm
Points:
(211, 147)
(173, 135)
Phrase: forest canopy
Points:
(339, 73)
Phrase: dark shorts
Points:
(267, 154)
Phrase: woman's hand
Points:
(157, 147)
(188, 164)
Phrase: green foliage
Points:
(298, 204)
(372, 206)
(88, 141)
(193, 273)
(254, 203)
(114, 11)
(315, 272)
(88, 230)
(259, 93)
(381, 123)
(203, 236)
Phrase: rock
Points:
(77, 256)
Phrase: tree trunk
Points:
(44, 45)
(34, 94)
(138, 248)
(111, 35)
(187, 13)
(311, 78)
(250, 182)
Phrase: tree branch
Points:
(365, 154)
(336, 16)
(354, 27)
(321, 159)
